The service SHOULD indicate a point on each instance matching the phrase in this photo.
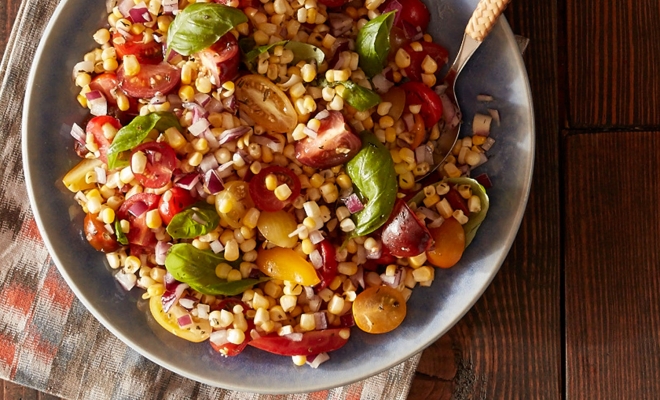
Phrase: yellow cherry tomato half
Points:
(379, 309)
(276, 226)
(449, 244)
(287, 265)
(265, 103)
(199, 331)
(233, 203)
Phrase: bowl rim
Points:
(28, 171)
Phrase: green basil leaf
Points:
(355, 95)
(196, 220)
(373, 43)
(200, 25)
(301, 51)
(476, 219)
(374, 180)
(134, 133)
(196, 267)
(121, 236)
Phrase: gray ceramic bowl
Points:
(51, 108)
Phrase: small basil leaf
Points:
(196, 267)
(246, 44)
(374, 180)
(121, 236)
(196, 220)
(301, 51)
(373, 43)
(476, 219)
(131, 135)
(167, 120)
(200, 25)
(355, 95)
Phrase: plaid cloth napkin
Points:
(48, 340)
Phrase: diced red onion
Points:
(353, 203)
(101, 176)
(316, 237)
(268, 141)
(174, 100)
(464, 169)
(392, 281)
(170, 6)
(212, 182)
(230, 104)
(309, 292)
(161, 252)
(294, 337)
(127, 281)
(316, 259)
(159, 98)
(216, 246)
(381, 84)
(322, 115)
(224, 170)
(423, 154)
(188, 181)
(83, 66)
(78, 133)
(173, 291)
(214, 105)
(394, 5)
(488, 144)
(199, 127)
(124, 7)
(138, 208)
(375, 253)
(314, 303)
(320, 320)
(317, 360)
(187, 302)
(201, 193)
(232, 134)
(310, 132)
(219, 338)
(449, 112)
(436, 222)
(202, 99)
(140, 13)
(208, 162)
(484, 180)
(184, 320)
(409, 120)
(340, 23)
(97, 103)
(358, 277)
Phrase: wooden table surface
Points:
(573, 313)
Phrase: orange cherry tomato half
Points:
(379, 309)
(449, 244)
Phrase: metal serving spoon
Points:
(479, 26)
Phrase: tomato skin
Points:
(105, 83)
(403, 234)
(146, 53)
(152, 79)
(173, 203)
(265, 199)
(418, 130)
(328, 271)
(333, 3)
(335, 144)
(449, 244)
(161, 162)
(222, 58)
(237, 193)
(438, 53)
(312, 343)
(415, 13)
(95, 127)
(379, 309)
(98, 236)
(419, 93)
(456, 201)
(139, 234)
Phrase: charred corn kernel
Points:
(110, 65)
(132, 264)
(422, 274)
(131, 65)
(124, 24)
(222, 270)
(429, 65)
(429, 79)
(444, 208)
(153, 219)
(108, 215)
(430, 201)
(231, 250)
(474, 204)
(307, 322)
(442, 188)
(336, 305)
(465, 191)
(299, 360)
(407, 180)
(452, 170)
(421, 169)
(402, 59)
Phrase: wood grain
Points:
(612, 52)
(612, 280)
(509, 345)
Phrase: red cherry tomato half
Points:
(222, 59)
(314, 342)
(161, 161)
(150, 80)
(403, 234)
(419, 93)
(335, 144)
(106, 83)
(437, 53)
(265, 199)
(95, 127)
(146, 53)
(415, 13)
(139, 234)
(456, 201)
(172, 202)
(333, 3)
(329, 269)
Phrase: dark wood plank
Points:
(612, 49)
(8, 11)
(612, 280)
(509, 344)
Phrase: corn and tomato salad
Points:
(256, 166)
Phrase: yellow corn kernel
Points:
(308, 72)
(122, 102)
(307, 322)
(131, 65)
(110, 64)
(203, 84)
(416, 46)
(344, 181)
(308, 247)
(299, 361)
(222, 270)
(271, 182)
(444, 208)
(83, 79)
(429, 79)
(283, 192)
(407, 180)
(328, 41)
(347, 268)
(186, 74)
(108, 215)
(138, 162)
(478, 140)
(423, 274)
(417, 261)
(452, 170)
(187, 93)
(153, 219)
(402, 59)
(431, 200)
(174, 138)
(429, 65)
(231, 250)
(386, 122)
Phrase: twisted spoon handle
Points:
(484, 17)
